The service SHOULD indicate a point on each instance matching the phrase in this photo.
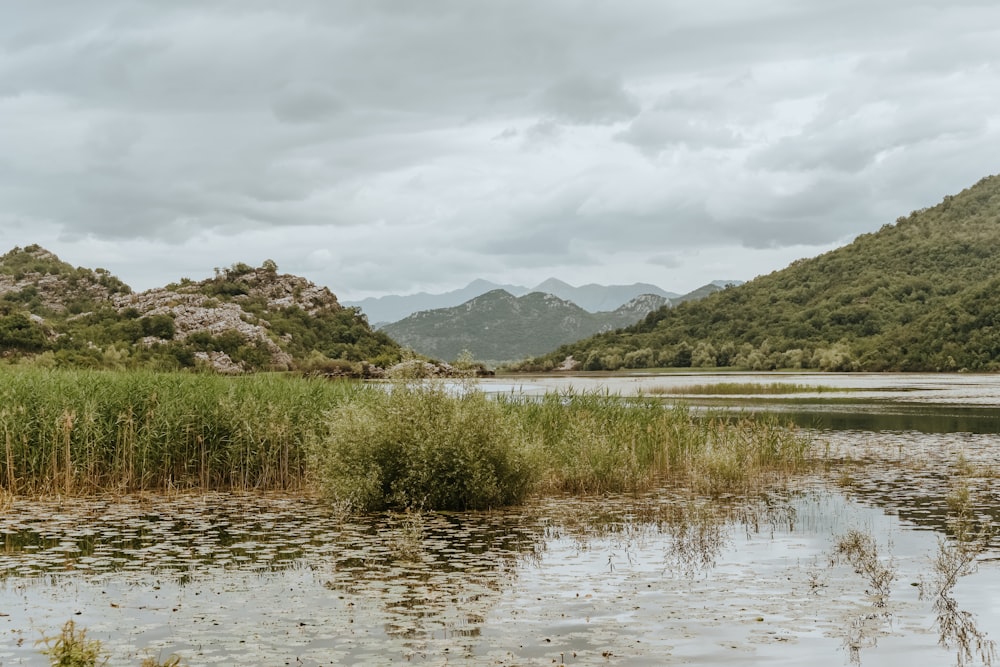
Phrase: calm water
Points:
(223, 579)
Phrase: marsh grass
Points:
(71, 648)
(409, 544)
(80, 432)
(6, 499)
(593, 442)
(599, 442)
(419, 446)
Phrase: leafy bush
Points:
(417, 446)
(17, 331)
(161, 326)
(318, 363)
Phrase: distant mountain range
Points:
(499, 326)
(592, 298)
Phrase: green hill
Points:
(922, 294)
(498, 326)
(243, 319)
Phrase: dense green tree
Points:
(160, 326)
(18, 332)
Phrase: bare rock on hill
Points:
(194, 311)
(568, 364)
(221, 362)
(216, 306)
(242, 319)
(39, 279)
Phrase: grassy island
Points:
(366, 446)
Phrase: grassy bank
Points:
(86, 432)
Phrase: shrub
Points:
(161, 326)
(419, 447)
(17, 331)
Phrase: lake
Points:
(656, 579)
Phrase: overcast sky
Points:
(393, 146)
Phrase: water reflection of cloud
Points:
(705, 580)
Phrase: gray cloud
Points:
(306, 103)
(589, 99)
(668, 260)
(503, 138)
(657, 130)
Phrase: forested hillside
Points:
(922, 294)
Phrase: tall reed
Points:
(78, 432)
(599, 442)
(75, 431)
(421, 447)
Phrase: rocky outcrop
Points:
(220, 362)
(633, 311)
(39, 279)
(197, 307)
(240, 320)
(286, 291)
(197, 313)
(568, 364)
(192, 312)
(418, 369)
